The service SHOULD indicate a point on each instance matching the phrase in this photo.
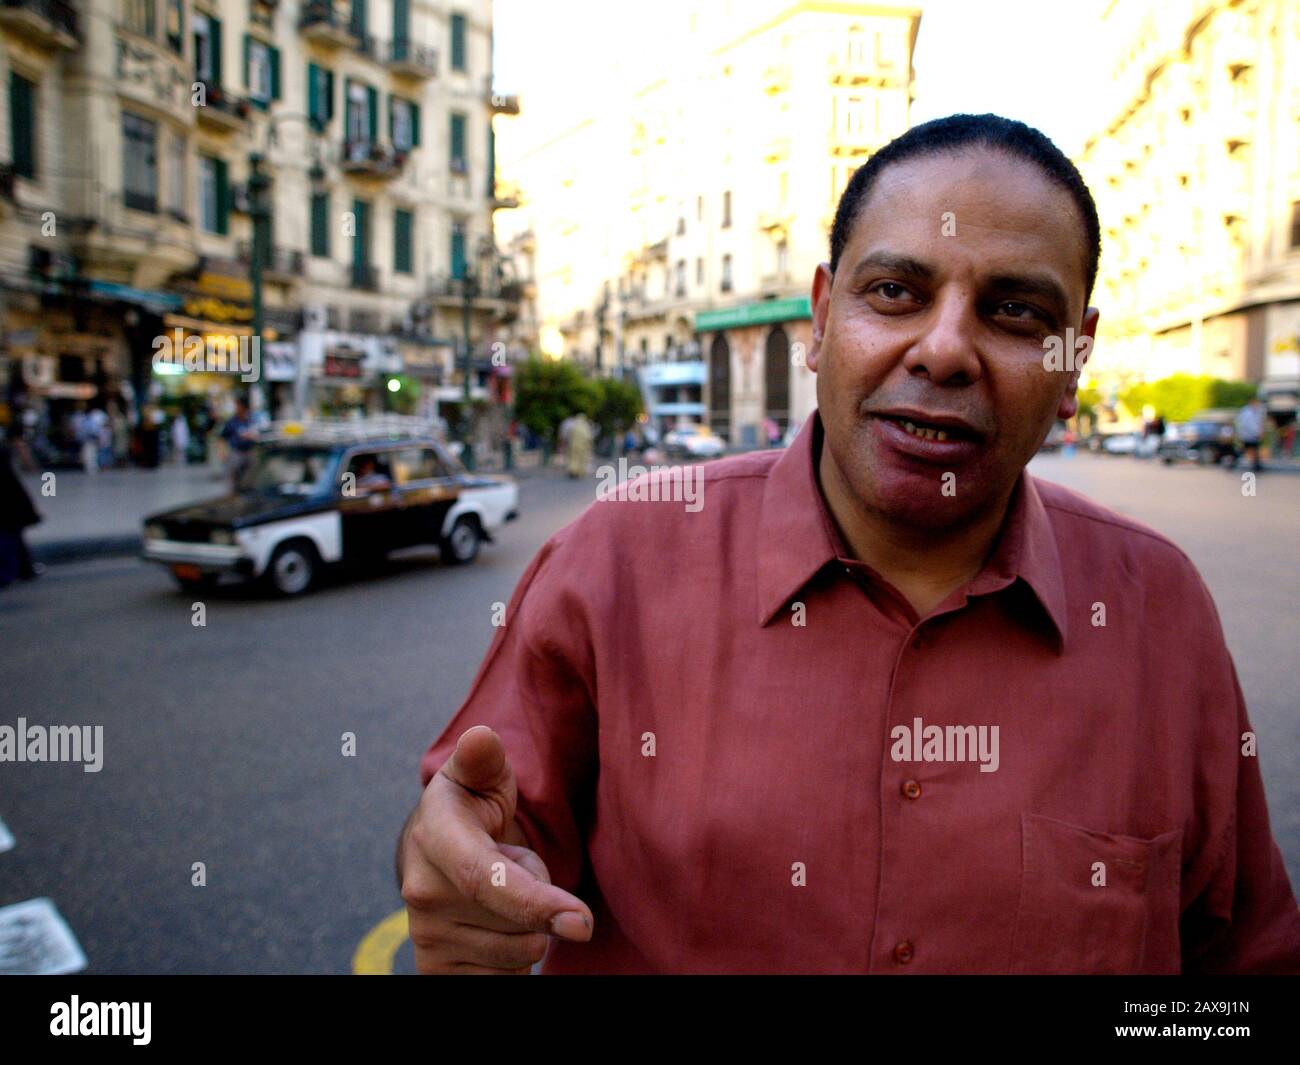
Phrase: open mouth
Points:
(929, 431)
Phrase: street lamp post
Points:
(469, 286)
(259, 187)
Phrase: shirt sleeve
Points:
(1245, 918)
(535, 689)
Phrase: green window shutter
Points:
(392, 106)
(458, 252)
(491, 162)
(457, 42)
(320, 224)
(315, 108)
(401, 21)
(275, 72)
(248, 47)
(22, 124)
(223, 196)
(372, 104)
(359, 18)
(214, 26)
(402, 241)
(457, 136)
(415, 125)
(329, 95)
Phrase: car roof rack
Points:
(376, 429)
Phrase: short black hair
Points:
(952, 134)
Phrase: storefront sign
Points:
(760, 313)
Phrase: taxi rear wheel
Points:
(292, 568)
(461, 544)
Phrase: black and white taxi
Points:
(315, 494)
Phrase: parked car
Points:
(330, 494)
(694, 441)
(1207, 438)
(1121, 443)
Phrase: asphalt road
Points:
(223, 743)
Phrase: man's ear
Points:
(821, 308)
(1084, 341)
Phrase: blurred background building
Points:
(128, 198)
(1195, 166)
(676, 220)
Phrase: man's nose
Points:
(945, 351)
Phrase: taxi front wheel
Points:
(292, 568)
(461, 544)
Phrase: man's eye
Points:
(1014, 309)
(891, 290)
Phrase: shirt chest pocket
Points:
(1094, 902)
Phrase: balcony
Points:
(776, 149)
(280, 264)
(327, 23)
(364, 277)
(222, 112)
(505, 196)
(778, 216)
(409, 60)
(370, 159)
(852, 142)
(858, 69)
(776, 78)
(47, 23)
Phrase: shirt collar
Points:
(797, 537)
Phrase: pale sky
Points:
(1025, 59)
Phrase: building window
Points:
(458, 250)
(699, 208)
(726, 209)
(139, 162)
(320, 96)
(214, 195)
(681, 278)
(22, 124)
(176, 176)
(261, 71)
(320, 224)
(1295, 224)
(138, 16)
(699, 271)
(726, 274)
(358, 22)
(681, 226)
(458, 42)
(403, 227)
(401, 25)
(459, 165)
(363, 102)
(176, 26)
(207, 49)
(361, 272)
(403, 123)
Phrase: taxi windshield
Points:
(298, 471)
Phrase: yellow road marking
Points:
(375, 952)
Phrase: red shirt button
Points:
(911, 789)
(903, 952)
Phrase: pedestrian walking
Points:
(240, 436)
(581, 437)
(180, 439)
(1249, 426)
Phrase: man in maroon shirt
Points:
(882, 702)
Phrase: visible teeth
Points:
(924, 434)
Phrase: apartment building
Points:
(142, 139)
(1196, 173)
(682, 219)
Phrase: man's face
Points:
(958, 270)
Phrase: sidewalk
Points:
(92, 515)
